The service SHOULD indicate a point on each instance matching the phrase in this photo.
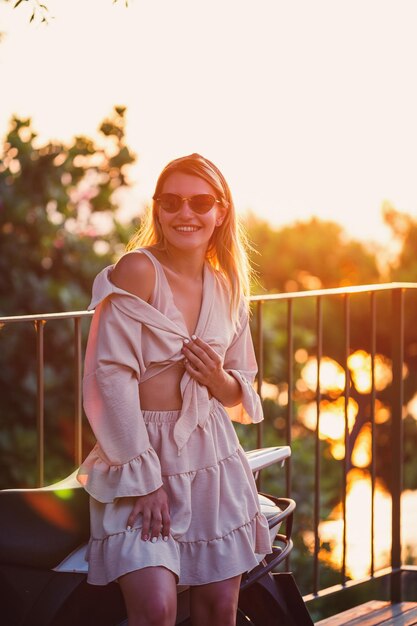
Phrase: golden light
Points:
(301, 355)
(283, 394)
(358, 528)
(308, 281)
(409, 524)
(360, 365)
(332, 375)
(332, 417)
(277, 393)
(337, 450)
(412, 407)
(301, 385)
(362, 451)
(269, 390)
(382, 413)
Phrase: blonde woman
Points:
(172, 497)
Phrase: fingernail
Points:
(154, 539)
(145, 537)
(193, 337)
(186, 341)
(129, 527)
(166, 538)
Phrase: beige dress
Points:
(216, 525)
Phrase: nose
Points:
(185, 208)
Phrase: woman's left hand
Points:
(203, 363)
(205, 366)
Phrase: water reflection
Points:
(332, 423)
(358, 528)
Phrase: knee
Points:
(223, 612)
(155, 612)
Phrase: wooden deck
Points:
(375, 613)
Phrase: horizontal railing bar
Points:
(334, 292)
(259, 298)
(45, 316)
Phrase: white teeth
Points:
(187, 229)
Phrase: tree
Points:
(404, 230)
(309, 255)
(57, 230)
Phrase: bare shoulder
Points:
(135, 273)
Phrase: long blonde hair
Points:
(228, 247)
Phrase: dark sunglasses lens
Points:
(202, 203)
(169, 202)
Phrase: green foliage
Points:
(404, 230)
(57, 231)
(309, 255)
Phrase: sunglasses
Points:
(200, 203)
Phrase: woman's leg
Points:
(150, 595)
(215, 604)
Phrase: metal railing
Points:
(39, 322)
(397, 292)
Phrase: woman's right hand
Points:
(154, 508)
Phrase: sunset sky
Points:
(309, 108)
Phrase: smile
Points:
(187, 229)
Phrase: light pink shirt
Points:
(131, 341)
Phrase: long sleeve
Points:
(122, 463)
(240, 362)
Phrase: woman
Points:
(172, 496)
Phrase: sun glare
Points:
(332, 375)
(358, 527)
(360, 365)
(332, 417)
(412, 407)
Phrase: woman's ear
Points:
(221, 214)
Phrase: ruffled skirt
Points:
(217, 529)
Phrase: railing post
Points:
(397, 439)
(289, 416)
(290, 379)
(373, 429)
(78, 396)
(40, 403)
(346, 460)
(260, 347)
(317, 464)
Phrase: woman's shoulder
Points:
(134, 272)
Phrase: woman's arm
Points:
(135, 273)
(229, 380)
(205, 365)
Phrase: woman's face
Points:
(186, 229)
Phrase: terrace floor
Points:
(375, 613)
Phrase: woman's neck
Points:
(188, 263)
